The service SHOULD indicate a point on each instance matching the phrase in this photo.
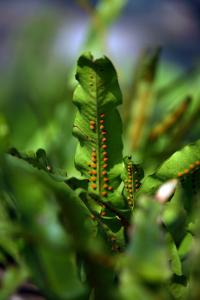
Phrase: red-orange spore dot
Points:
(104, 194)
(94, 159)
(93, 166)
(104, 146)
(192, 166)
(186, 171)
(102, 115)
(110, 188)
(197, 163)
(101, 127)
(105, 186)
(104, 132)
(93, 186)
(103, 213)
(105, 153)
(103, 139)
(105, 166)
(101, 121)
(106, 179)
(104, 173)
(93, 172)
(180, 174)
(92, 127)
(92, 122)
(105, 159)
(93, 179)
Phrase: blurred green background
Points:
(40, 42)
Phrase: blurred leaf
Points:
(46, 247)
(170, 121)
(138, 105)
(175, 262)
(186, 246)
(8, 245)
(4, 134)
(147, 234)
(12, 278)
(102, 16)
(39, 161)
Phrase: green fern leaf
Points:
(183, 164)
(98, 125)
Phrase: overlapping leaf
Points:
(181, 164)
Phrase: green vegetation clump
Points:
(123, 224)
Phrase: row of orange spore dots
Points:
(191, 168)
(93, 164)
(104, 154)
(129, 184)
(104, 157)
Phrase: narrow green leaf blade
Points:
(97, 124)
(182, 164)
